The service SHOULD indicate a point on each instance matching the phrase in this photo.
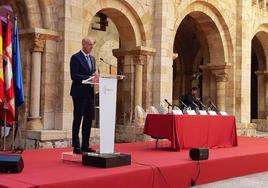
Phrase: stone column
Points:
(266, 94)
(139, 61)
(261, 94)
(221, 73)
(221, 80)
(206, 83)
(36, 60)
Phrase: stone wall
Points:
(262, 124)
(53, 139)
(143, 33)
(246, 129)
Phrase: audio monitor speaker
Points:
(11, 163)
(198, 154)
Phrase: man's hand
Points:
(95, 78)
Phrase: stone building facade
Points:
(157, 44)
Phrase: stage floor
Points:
(150, 167)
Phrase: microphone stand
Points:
(168, 108)
(216, 109)
(202, 104)
(213, 107)
(169, 105)
(185, 108)
(196, 107)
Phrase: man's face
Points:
(87, 46)
(194, 92)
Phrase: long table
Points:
(188, 131)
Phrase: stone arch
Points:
(261, 34)
(219, 50)
(19, 8)
(259, 68)
(47, 12)
(132, 38)
(258, 46)
(33, 12)
(126, 19)
(211, 12)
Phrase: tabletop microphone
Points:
(213, 105)
(202, 104)
(195, 104)
(183, 103)
(167, 102)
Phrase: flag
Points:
(8, 75)
(1, 68)
(18, 80)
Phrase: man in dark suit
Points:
(82, 67)
(191, 100)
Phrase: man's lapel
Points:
(84, 61)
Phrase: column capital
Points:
(221, 77)
(139, 50)
(139, 59)
(220, 71)
(38, 43)
(39, 37)
(219, 67)
(44, 34)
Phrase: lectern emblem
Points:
(105, 89)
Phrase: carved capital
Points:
(220, 71)
(38, 43)
(139, 59)
(221, 77)
(139, 50)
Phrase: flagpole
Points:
(5, 124)
(15, 110)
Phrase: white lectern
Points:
(106, 157)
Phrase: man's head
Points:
(87, 44)
(194, 90)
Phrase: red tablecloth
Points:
(188, 131)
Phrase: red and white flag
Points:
(1, 69)
(8, 75)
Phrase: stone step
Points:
(262, 134)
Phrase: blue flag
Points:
(18, 79)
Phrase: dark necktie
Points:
(89, 62)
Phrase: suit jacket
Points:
(80, 71)
(189, 100)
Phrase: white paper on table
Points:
(177, 112)
(203, 112)
(223, 113)
(212, 113)
(191, 112)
